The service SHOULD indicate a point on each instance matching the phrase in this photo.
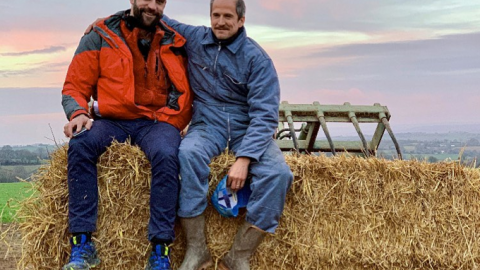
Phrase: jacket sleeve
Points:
(263, 100)
(186, 30)
(82, 76)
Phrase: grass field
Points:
(10, 194)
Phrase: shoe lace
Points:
(81, 252)
(159, 260)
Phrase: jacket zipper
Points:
(161, 71)
(156, 65)
(228, 127)
(106, 36)
(229, 135)
(165, 67)
(146, 70)
(216, 57)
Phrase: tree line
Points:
(10, 156)
(20, 162)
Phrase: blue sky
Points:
(419, 58)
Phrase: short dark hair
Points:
(241, 8)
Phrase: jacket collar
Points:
(233, 47)
(113, 23)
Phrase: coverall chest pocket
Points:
(200, 71)
(234, 82)
(199, 64)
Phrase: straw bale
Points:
(342, 212)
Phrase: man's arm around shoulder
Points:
(186, 30)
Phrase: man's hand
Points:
(184, 131)
(76, 124)
(90, 27)
(238, 173)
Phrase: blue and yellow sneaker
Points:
(84, 255)
(159, 258)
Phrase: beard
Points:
(138, 14)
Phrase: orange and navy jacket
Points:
(102, 70)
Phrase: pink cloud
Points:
(32, 128)
(29, 118)
(278, 5)
(289, 62)
(295, 7)
(298, 8)
(418, 108)
(22, 40)
(428, 108)
(330, 96)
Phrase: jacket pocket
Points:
(201, 74)
(233, 84)
(233, 80)
(112, 67)
(200, 66)
(112, 87)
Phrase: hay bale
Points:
(343, 212)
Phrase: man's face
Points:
(148, 12)
(224, 19)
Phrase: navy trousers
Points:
(160, 143)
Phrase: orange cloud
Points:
(41, 63)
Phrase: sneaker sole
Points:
(95, 263)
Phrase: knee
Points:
(277, 174)
(188, 152)
(81, 143)
(274, 174)
(164, 153)
(284, 175)
(83, 150)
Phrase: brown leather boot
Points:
(246, 241)
(197, 256)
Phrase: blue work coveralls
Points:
(236, 102)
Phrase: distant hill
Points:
(449, 136)
(35, 147)
(447, 128)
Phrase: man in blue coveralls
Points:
(236, 103)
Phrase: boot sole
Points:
(222, 266)
(205, 265)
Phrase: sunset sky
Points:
(419, 58)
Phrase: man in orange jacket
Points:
(127, 80)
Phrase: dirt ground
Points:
(13, 238)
